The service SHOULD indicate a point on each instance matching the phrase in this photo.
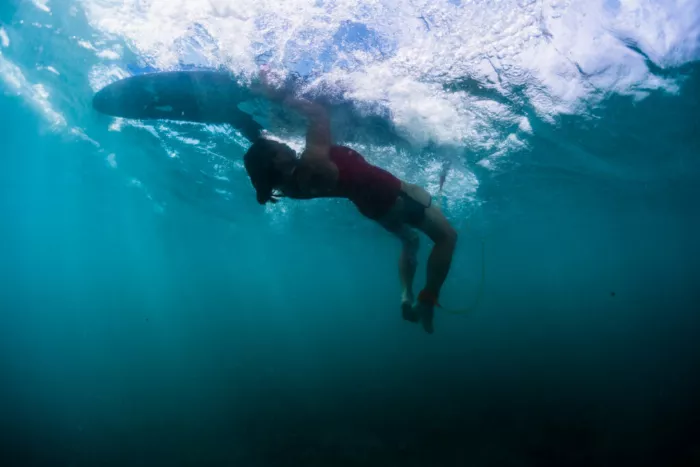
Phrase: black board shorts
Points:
(413, 211)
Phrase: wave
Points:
(484, 86)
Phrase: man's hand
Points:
(266, 88)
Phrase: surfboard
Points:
(214, 96)
(203, 96)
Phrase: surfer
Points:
(332, 171)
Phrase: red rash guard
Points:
(372, 189)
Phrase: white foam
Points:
(112, 160)
(524, 125)
(4, 38)
(109, 54)
(102, 75)
(43, 5)
(11, 75)
(562, 55)
(78, 132)
(190, 141)
(36, 94)
(86, 45)
(116, 125)
(52, 70)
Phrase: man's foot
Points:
(425, 312)
(407, 311)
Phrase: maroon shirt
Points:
(372, 189)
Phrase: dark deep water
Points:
(144, 321)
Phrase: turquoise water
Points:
(152, 313)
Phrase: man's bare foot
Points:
(407, 311)
(425, 312)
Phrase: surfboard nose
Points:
(104, 101)
(120, 100)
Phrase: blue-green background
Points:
(202, 333)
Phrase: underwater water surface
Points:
(152, 313)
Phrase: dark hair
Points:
(260, 165)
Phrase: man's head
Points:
(269, 165)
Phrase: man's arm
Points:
(318, 132)
(317, 173)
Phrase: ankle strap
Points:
(427, 297)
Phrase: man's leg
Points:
(438, 228)
(408, 261)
